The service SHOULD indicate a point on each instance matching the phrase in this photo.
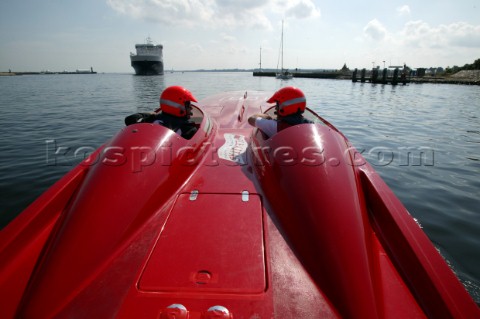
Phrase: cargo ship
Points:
(148, 60)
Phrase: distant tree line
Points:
(474, 66)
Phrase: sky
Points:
(59, 35)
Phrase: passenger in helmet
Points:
(290, 103)
(174, 112)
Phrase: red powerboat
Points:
(228, 224)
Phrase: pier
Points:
(391, 76)
(327, 74)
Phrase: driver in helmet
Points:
(290, 103)
(174, 112)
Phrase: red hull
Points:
(297, 226)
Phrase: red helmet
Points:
(289, 100)
(174, 100)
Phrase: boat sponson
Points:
(358, 242)
(134, 177)
(326, 177)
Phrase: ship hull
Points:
(146, 67)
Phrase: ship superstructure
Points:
(149, 58)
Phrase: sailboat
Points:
(283, 74)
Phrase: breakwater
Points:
(403, 76)
(305, 74)
(390, 76)
(79, 71)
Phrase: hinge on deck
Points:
(194, 195)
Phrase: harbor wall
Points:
(390, 76)
(313, 75)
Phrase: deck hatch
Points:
(212, 244)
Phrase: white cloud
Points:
(228, 38)
(460, 34)
(419, 43)
(403, 10)
(463, 34)
(235, 5)
(170, 12)
(214, 13)
(302, 9)
(375, 30)
(420, 34)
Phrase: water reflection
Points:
(146, 90)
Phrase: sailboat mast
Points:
(281, 48)
(284, 74)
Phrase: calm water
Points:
(423, 139)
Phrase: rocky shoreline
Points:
(465, 77)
